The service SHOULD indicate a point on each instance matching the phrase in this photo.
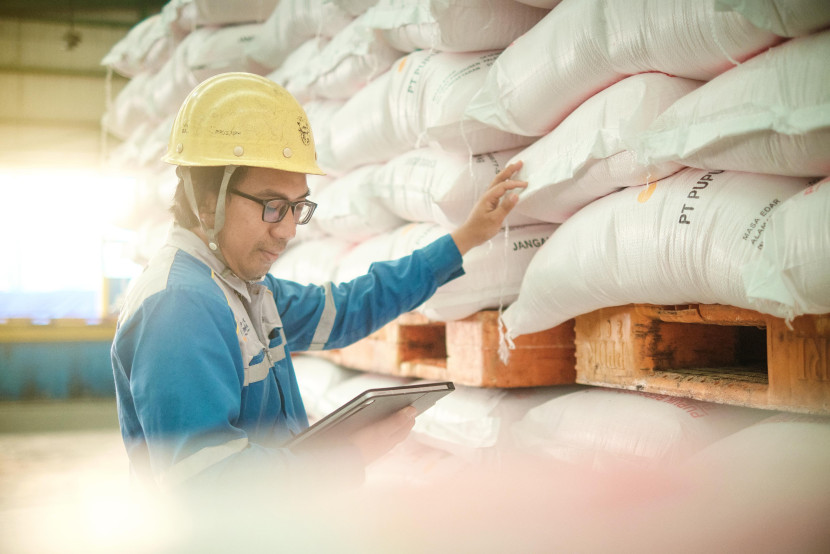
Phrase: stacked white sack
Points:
(681, 240)
(452, 25)
(144, 48)
(419, 102)
(493, 271)
(348, 208)
(791, 276)
(607, 429)
(587, 156)
(768, 115)
(320, 112)
(314, 260)
(316, 378)
(583, 46)
(205, 52)
(354, 7)
(291, 72)
(435, 186)
(130, 110)
(786, 452)
(292, 23)
(190, 14)
(352, 58)
(476, 423)
(786, 18)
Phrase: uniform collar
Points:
(189, 242)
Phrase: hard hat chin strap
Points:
(219, 214)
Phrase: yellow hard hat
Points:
(242, 119)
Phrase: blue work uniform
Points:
(202, 363)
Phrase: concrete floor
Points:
(62, 465)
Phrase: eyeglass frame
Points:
(289, 203)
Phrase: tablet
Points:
(368, 407)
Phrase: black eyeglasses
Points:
(274, 210)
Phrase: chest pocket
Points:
(259, 357)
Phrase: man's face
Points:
(250, 246)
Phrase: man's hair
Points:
(206, 181)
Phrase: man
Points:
(205, 385)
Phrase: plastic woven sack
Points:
(768, 115)
(435, 186)
(583, 46)
(681, 240)
(587, 155)
(791, 276)
(419, 102)
(452, 26)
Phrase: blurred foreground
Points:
(765, 488)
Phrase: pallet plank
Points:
(708, 352)
(464, 351)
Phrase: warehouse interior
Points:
(640, 355)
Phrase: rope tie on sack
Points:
(506, 344)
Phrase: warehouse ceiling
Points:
(114, 13)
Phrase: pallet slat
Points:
(708, 352)
(464, 351)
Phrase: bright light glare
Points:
(53, 225)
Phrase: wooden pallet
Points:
(708, 352)
(463, 351)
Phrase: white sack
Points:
(419, 102)
(169, 86)
(187, 15)
(210, 51)
(320, 114)
(475, 423)
(129, 108)
(768, 115)
(355, 7)
(357, 260)
(311, 261)
(583, 46)
(786, 18)
(205, 52)
(353, 57)
(292, 73)
(452, 25)
(222, 12)
(292, 23)
(605, 429)
(493, 271)
(349, 209)
(316, 377)
(791, 276)
(348, 389)
(779, 461)
(124, 157)
(681, 240)
(436, 186)
(154, 145)
(587, 155)
(146, 47)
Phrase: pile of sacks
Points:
(674, 150)
(600, 430)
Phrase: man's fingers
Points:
(500, 189)
(506, 173)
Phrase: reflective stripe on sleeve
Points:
(324, 326)
(202, 460)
